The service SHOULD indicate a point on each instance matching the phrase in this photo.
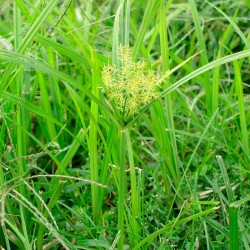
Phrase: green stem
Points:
(122, 182)
(134, 192)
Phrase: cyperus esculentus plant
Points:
(130, 85)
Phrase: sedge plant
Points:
(129, 86)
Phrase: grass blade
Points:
(149, 13)
(241, 103)
(93, 142)
(233, 228)
(229, 190)
(204, 56)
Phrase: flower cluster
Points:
(131, 85)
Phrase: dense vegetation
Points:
(124, 124)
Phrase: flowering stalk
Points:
(129, 86)
(122, 188)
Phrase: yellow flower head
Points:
(132, 85)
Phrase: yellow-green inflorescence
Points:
(131, 85)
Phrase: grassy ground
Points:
(83, 167)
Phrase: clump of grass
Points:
(163, 145)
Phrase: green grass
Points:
(77, 173)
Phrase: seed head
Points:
(131, 85)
